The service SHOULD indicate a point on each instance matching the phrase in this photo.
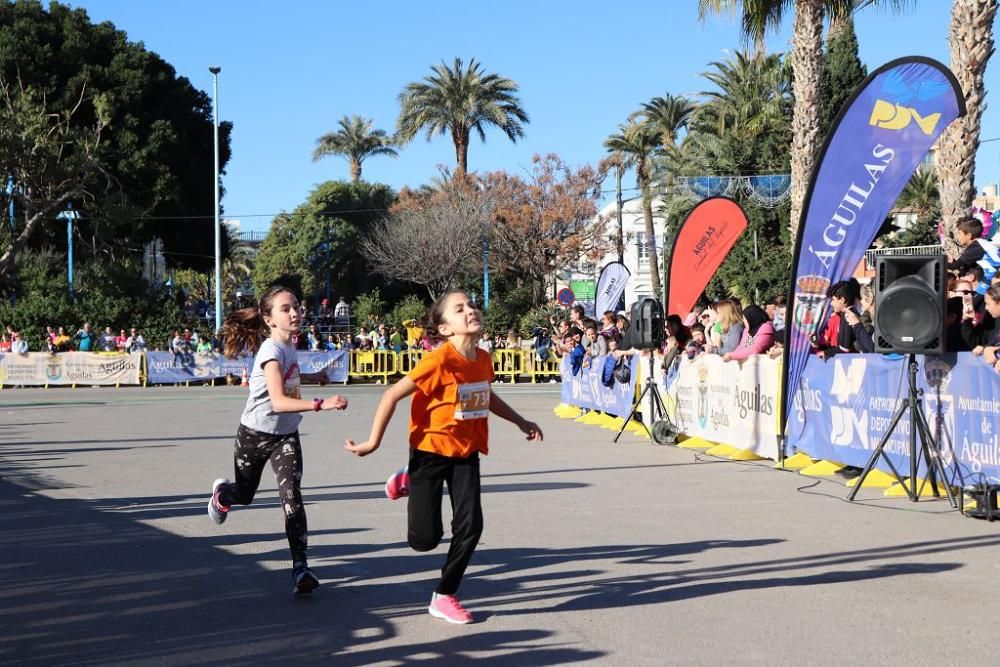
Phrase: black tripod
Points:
(657, 408)
(913, 406)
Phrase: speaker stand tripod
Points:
(657, 408)
(928, 450)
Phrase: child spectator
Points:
(969, 231)
(577, 353)
(396, 339)
(18, 345)
(992, 344)
(5, 343)
(843, 330)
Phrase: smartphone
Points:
(967, 309)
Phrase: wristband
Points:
(317, 404)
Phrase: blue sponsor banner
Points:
(586, 391)
(875, 145)
(169, 368)
(845, 406)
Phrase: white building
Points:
(636, 251)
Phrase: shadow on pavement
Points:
(79, 585)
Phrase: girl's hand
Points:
(532, 430)
(335, 402)
(978, 350)
(727, 356)
(363, 449)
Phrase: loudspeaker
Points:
(909, 304)
(645, 330)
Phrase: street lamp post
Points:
(218, 240)
(70, 215)
(9, 191)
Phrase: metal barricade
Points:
(407, 360)
(508, 364)
(379, 364)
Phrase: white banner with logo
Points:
(610, 287)
(68, 368)
(728, 402)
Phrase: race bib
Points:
(473, 401)
(292, 382)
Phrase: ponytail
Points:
(242, 331)
(245, 329)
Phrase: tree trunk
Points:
(807, 69)
(355, 170)
(647, 217)
(461, 139)
(971, 38)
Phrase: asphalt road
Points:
(628, 554)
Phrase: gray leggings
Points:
(253, 449)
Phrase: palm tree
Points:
(752, 96)
(759, 16)
(636, 143)
(668, 115)
(971, 37)
(356, 141)
(459, 100)
(238, 265)
(921, 192)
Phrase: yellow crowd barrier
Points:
(508, 364)
(407, 359)
(546, 370)
(378, 364)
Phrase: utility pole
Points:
(218, 236)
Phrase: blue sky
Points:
(291, 70)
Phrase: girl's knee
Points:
(424, 542)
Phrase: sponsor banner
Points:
(726, 402)
(169, 368)
(705, 238)
(586, 391)
(610, 287)
(846, 405)
(69, 368)
(875, 145)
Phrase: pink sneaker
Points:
(398, 485)
(449, 608)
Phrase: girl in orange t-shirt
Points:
(451, 401)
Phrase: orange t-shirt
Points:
(448, 413)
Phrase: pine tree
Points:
(842, 73)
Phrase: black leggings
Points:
(253, 450)
(428, 474)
